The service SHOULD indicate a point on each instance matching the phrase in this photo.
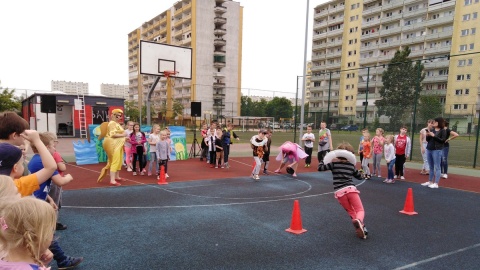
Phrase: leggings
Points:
(164, 163)
(353, 205)
(153, 159)
(376, 164)
(399, 161)
(321, 155)
(258, 164)
(308, 151)
(365, 168)
(212, 157)
(141, 159)
(128, 155)
(425, 166)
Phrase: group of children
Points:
(137, 147)
(395, 148)
(28, 207)
(216, 144)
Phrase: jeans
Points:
(153, 159)
(376, 164)
(308, 151)
(444, 166)
(425, 166)
(226, 152)
(390, 169)
(434, 160)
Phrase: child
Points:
(367, 154)
(377, 143)
(219, 148)
(55, 190)
(360, 145)
(137, 139)
(204, 133)
(290, 153)
(308, 139)
(172, 147)
(390, 158)
(26, 231)
(266, 155)
(258, 145)
(211, 147)
(402, 151)
(345, 191)
(153, 138)
(23, 147)
(163, 152)
(325, 143)
(226, 141)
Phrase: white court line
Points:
(202, 205)
(437, 257)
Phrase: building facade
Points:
(114, 90)
(72, 88)
(350, 35)
(213, 29)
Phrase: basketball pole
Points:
(150, 92)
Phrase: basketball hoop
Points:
(167, 74)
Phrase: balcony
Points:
(219, 42)
(219, 85)
(219, 61)
(438, 50)
(218, 106)
(444, 34)
(444, 63)
(435, 79)
(371, 10)
(219, 52)
(220, 20)
(218, 75)
(218, 95)
(219, 31)
(441, 20)
(220, 9)
(392, 5)
(442, 6)
(391, 18)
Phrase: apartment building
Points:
(350, 35)
(213, 29)
(114, 90)
(72, 88)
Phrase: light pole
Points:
(302, 110)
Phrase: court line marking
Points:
(437, 257)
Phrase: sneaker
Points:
(395, 177)
(365, 231)
(223, 167)
(227, 165)
(208, 161)
(69, 262)
(379, 176)
(445, 176)
(216, 167)
(391, 181)
(277, 171)
(359, 229)
(149, 174)
(434, 185)
(60, 227)
(402, 178)
(426, 184)
(129, 169)
(134, 173)
(294, 175)
(166, 175)
(386, 180)
(306, 165)
(255, 177)
(265, 172)
(142, 173)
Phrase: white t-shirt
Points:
(154, 139)
(311, 138)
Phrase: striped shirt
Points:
(342, 173)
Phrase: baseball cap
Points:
(9, 156)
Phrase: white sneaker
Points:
(395, 177)
(426, 184)
(434, 185)
(129, 169)
(402, 178)
(134, 173)
(445, 176)
(256, 177)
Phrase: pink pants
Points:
(350, 200)
(128, 156)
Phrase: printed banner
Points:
(179, 143)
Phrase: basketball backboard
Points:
(155, 58)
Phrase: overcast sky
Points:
(86, 41)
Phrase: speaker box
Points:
(196, 109)
(49, 104)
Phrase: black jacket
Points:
(437, 142)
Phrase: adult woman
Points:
(435, 143)
(450, 136)
(423, 147)
(113, 144)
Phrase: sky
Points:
(86, 41)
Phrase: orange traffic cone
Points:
(161, 178)
(296, 224)
(408, 208)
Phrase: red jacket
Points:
(133, 141)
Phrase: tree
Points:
(131, 110)
(279, 107)
(398, 92)
(429, 107)
(246, 105)
(8, 101)
(177, 108)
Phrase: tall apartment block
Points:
(354, 34)
(213, 29)
(72, 88)
(114, 90)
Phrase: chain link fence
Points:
(403, 93)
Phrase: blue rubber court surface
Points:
(238, 223)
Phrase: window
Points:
(466, 17)
(463, 48)
(467, 2)
(473, 30)
(468, 77)
(469, 62)
(467, 91)
(458, 92)
(435, 16)
(474, 15)
(460, 77)
(472, 46)
(443, 72)
(461, 63)
(354, 6)
(464, 32)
